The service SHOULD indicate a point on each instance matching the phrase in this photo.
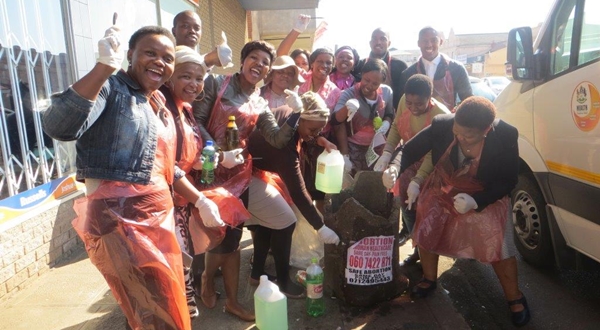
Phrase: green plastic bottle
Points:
(208, 163)
(315, 304)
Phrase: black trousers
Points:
(280, 243)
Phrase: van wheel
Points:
(532, 231)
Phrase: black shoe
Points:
(292, 290)
(521, 318)
(411, 259)
(403, 237)
(419, 292)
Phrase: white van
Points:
(554, 101)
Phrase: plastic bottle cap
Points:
(314, 260)
(209, 143)
(231, 118)
(264, 278)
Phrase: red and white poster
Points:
(369, 261)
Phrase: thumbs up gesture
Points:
(224, 52)
(293, 100)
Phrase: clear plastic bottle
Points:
(208, 163)
(270, 306)
(315, 304)
(231, 134)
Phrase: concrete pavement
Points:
(74, 296)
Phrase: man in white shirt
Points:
(450, 78)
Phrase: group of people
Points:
(148, 215)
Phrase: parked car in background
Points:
(481, 89)
(496, 83)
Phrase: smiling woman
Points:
(237, 95)
(128, 165)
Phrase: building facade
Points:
(46, 45)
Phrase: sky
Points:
(350, 22)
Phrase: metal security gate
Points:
(33, 65)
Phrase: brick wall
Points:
(36, 243)
(228, 16)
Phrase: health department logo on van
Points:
(585, 106)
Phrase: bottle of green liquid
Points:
(315, 304)
(270, 306)
(208, 163)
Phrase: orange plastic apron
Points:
(128, 231)
(441, 229)
(229, 184)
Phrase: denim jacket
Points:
(116, 134)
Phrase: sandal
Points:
(519, 318)
(420, 292)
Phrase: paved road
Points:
(558, 299)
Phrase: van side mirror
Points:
(520, 53)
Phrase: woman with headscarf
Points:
(273, 220)
(186, 83)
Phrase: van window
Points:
(562, 36)
(590, 33)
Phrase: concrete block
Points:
(10, 257)
(7, 272)
(58, 240)
(42, 251)
(47, 236)
(24, 261)
(70, 245)
(3, 290)
(16, 280)
(34, 243)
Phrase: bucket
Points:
(330, 172)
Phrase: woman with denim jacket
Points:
(124, 135)
(238, 95)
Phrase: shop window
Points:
(33, 65)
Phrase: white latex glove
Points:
(382, 162)
(389, 177)
(224, 52)
(464, 203)
(385, 126)
(352, 105)
(328, 236)
(412, 192)
(209, 212)
(301, 23)
(232, 158)
(347, 164)
(109, 48)
(293, 100)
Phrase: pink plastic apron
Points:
(442, 230)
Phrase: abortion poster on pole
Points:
(369, 261)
